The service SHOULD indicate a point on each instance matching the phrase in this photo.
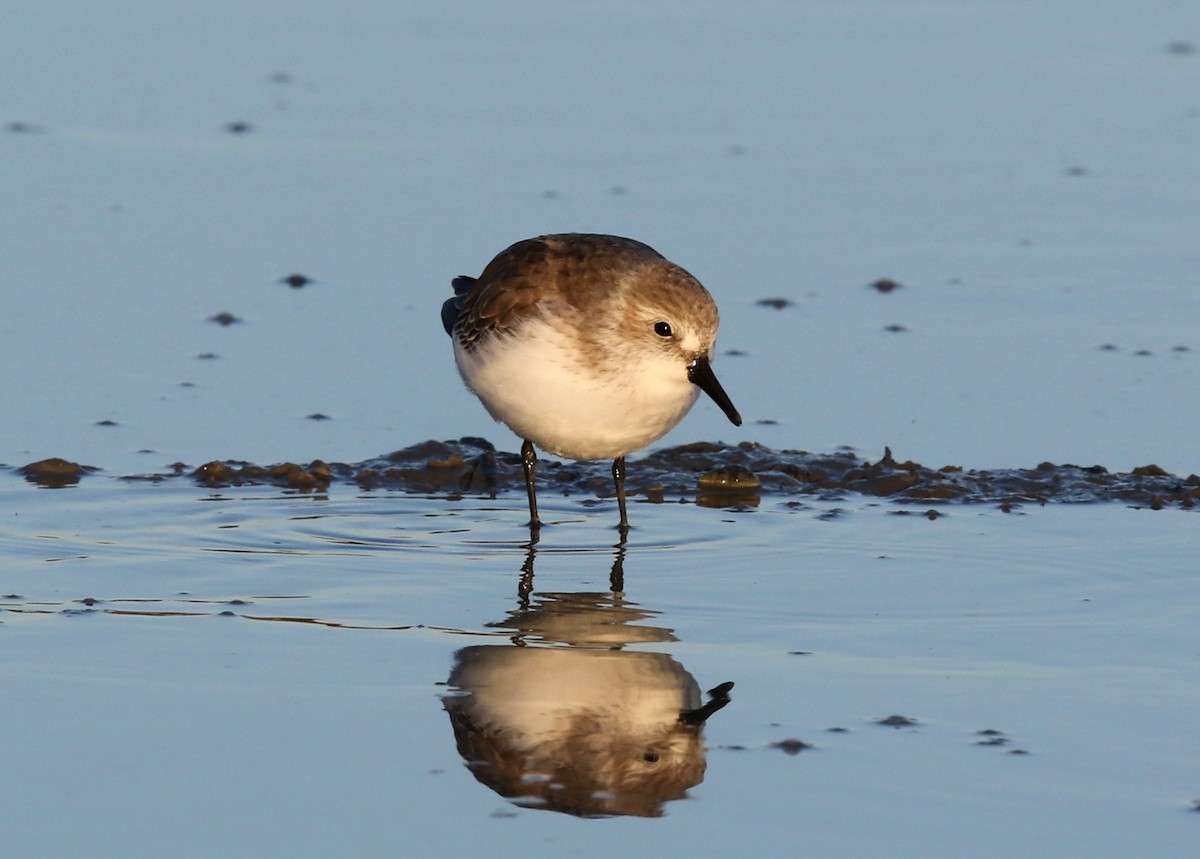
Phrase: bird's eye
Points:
(650, 758)
(662, 329)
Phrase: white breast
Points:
(537, 383)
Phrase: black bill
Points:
(701, 375)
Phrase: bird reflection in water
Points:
(566, 719)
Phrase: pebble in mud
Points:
(731, 478)
(728, 486)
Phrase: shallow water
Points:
(248, 660)
(252, 669)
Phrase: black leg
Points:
(616, 579)
(619, 479)
(528, 460)
(525, 586)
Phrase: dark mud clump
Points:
(897, 721)
(55, 473)
(791, 746)
(715, 474)
(317, 475)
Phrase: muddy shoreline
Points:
(711, 474)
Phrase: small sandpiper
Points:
(588, 346)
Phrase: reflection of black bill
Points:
(701, 375)
(718, 697)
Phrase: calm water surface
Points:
(188, 671)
